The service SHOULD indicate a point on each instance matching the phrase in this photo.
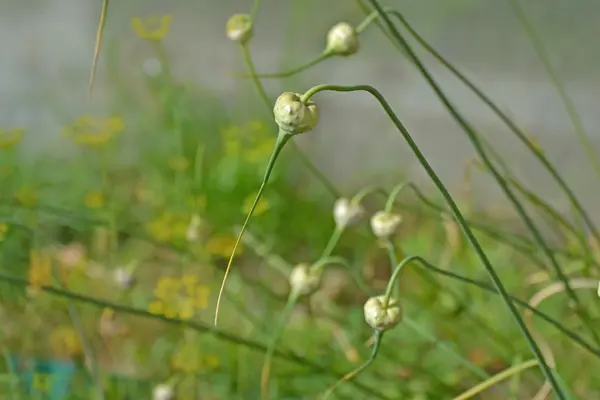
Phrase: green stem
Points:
(282, 139)
(472, 136)
(266, 368)
(474, 391)
(455, 212)
(378, 337)
(333, 241)
(320, 58)
(303, 158)
(394, 194)
(570, 108)
(98, 46)
(506, 120)
(254, 10)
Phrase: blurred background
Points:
(47, 50)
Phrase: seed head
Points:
(342, 39)
(239, 28)
(384, 224)
(346, 212)
(293, 116)
(304, 280)
(163, 392)
(382, 318)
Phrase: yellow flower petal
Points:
(201, 296)
(186, 309)
(166, 287)
(156, 307)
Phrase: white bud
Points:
(598, 288)
(293, 116)
(384, 224)
(239, 28)
(342, 39)
(304, 280)
(193, 231)
(163, 392)
(346, 212)
(382, 318)
(123, 277)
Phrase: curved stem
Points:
(320, 58)
(333, 241)
(506, 120)
(282, 139)
(254, 10)
(303, 158)
(266, 368)
(378, 337)
(474, 391)
(570, 108)
(455, 212)
(472, 136)
(394, 194)
(98, 46)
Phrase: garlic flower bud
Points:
(304, 280)
(346, 212)
(342, 39)
(293, 116)
(239, 28)
(123, 277)
(384, 224)
(163, 392)
(380, 318)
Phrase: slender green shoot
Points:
(98, 46)
(378, 337)
(517, 369)
(282, 139)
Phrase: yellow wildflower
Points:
(94, 200)
(230, 136)
(222, 246)
(152, 27)
(40, 270)
(212, 362)
(65, 342)
(10, 137)
(168, 226)
(179, 297)
(42, 382)
(179, 163)
(3, 231)
(186, 358)
(93, 132)
(27, 196)
(259, 151)
(262, 206)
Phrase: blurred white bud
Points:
(346, 212)
(163, 392)
(193, 231)
(293, 116)
(239, 28)
(123, 277)
(598, 288)
(304, 280)
(384, 224)
(382, 318)
(152, 67)
(342, 39)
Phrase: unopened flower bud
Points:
(163, 392)
(346, 212)
(123, 278)
(382, 318)
(384, 224)
(342, 39)
(293, 116)
(193, 230)
(239, 28)
(304, 280)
